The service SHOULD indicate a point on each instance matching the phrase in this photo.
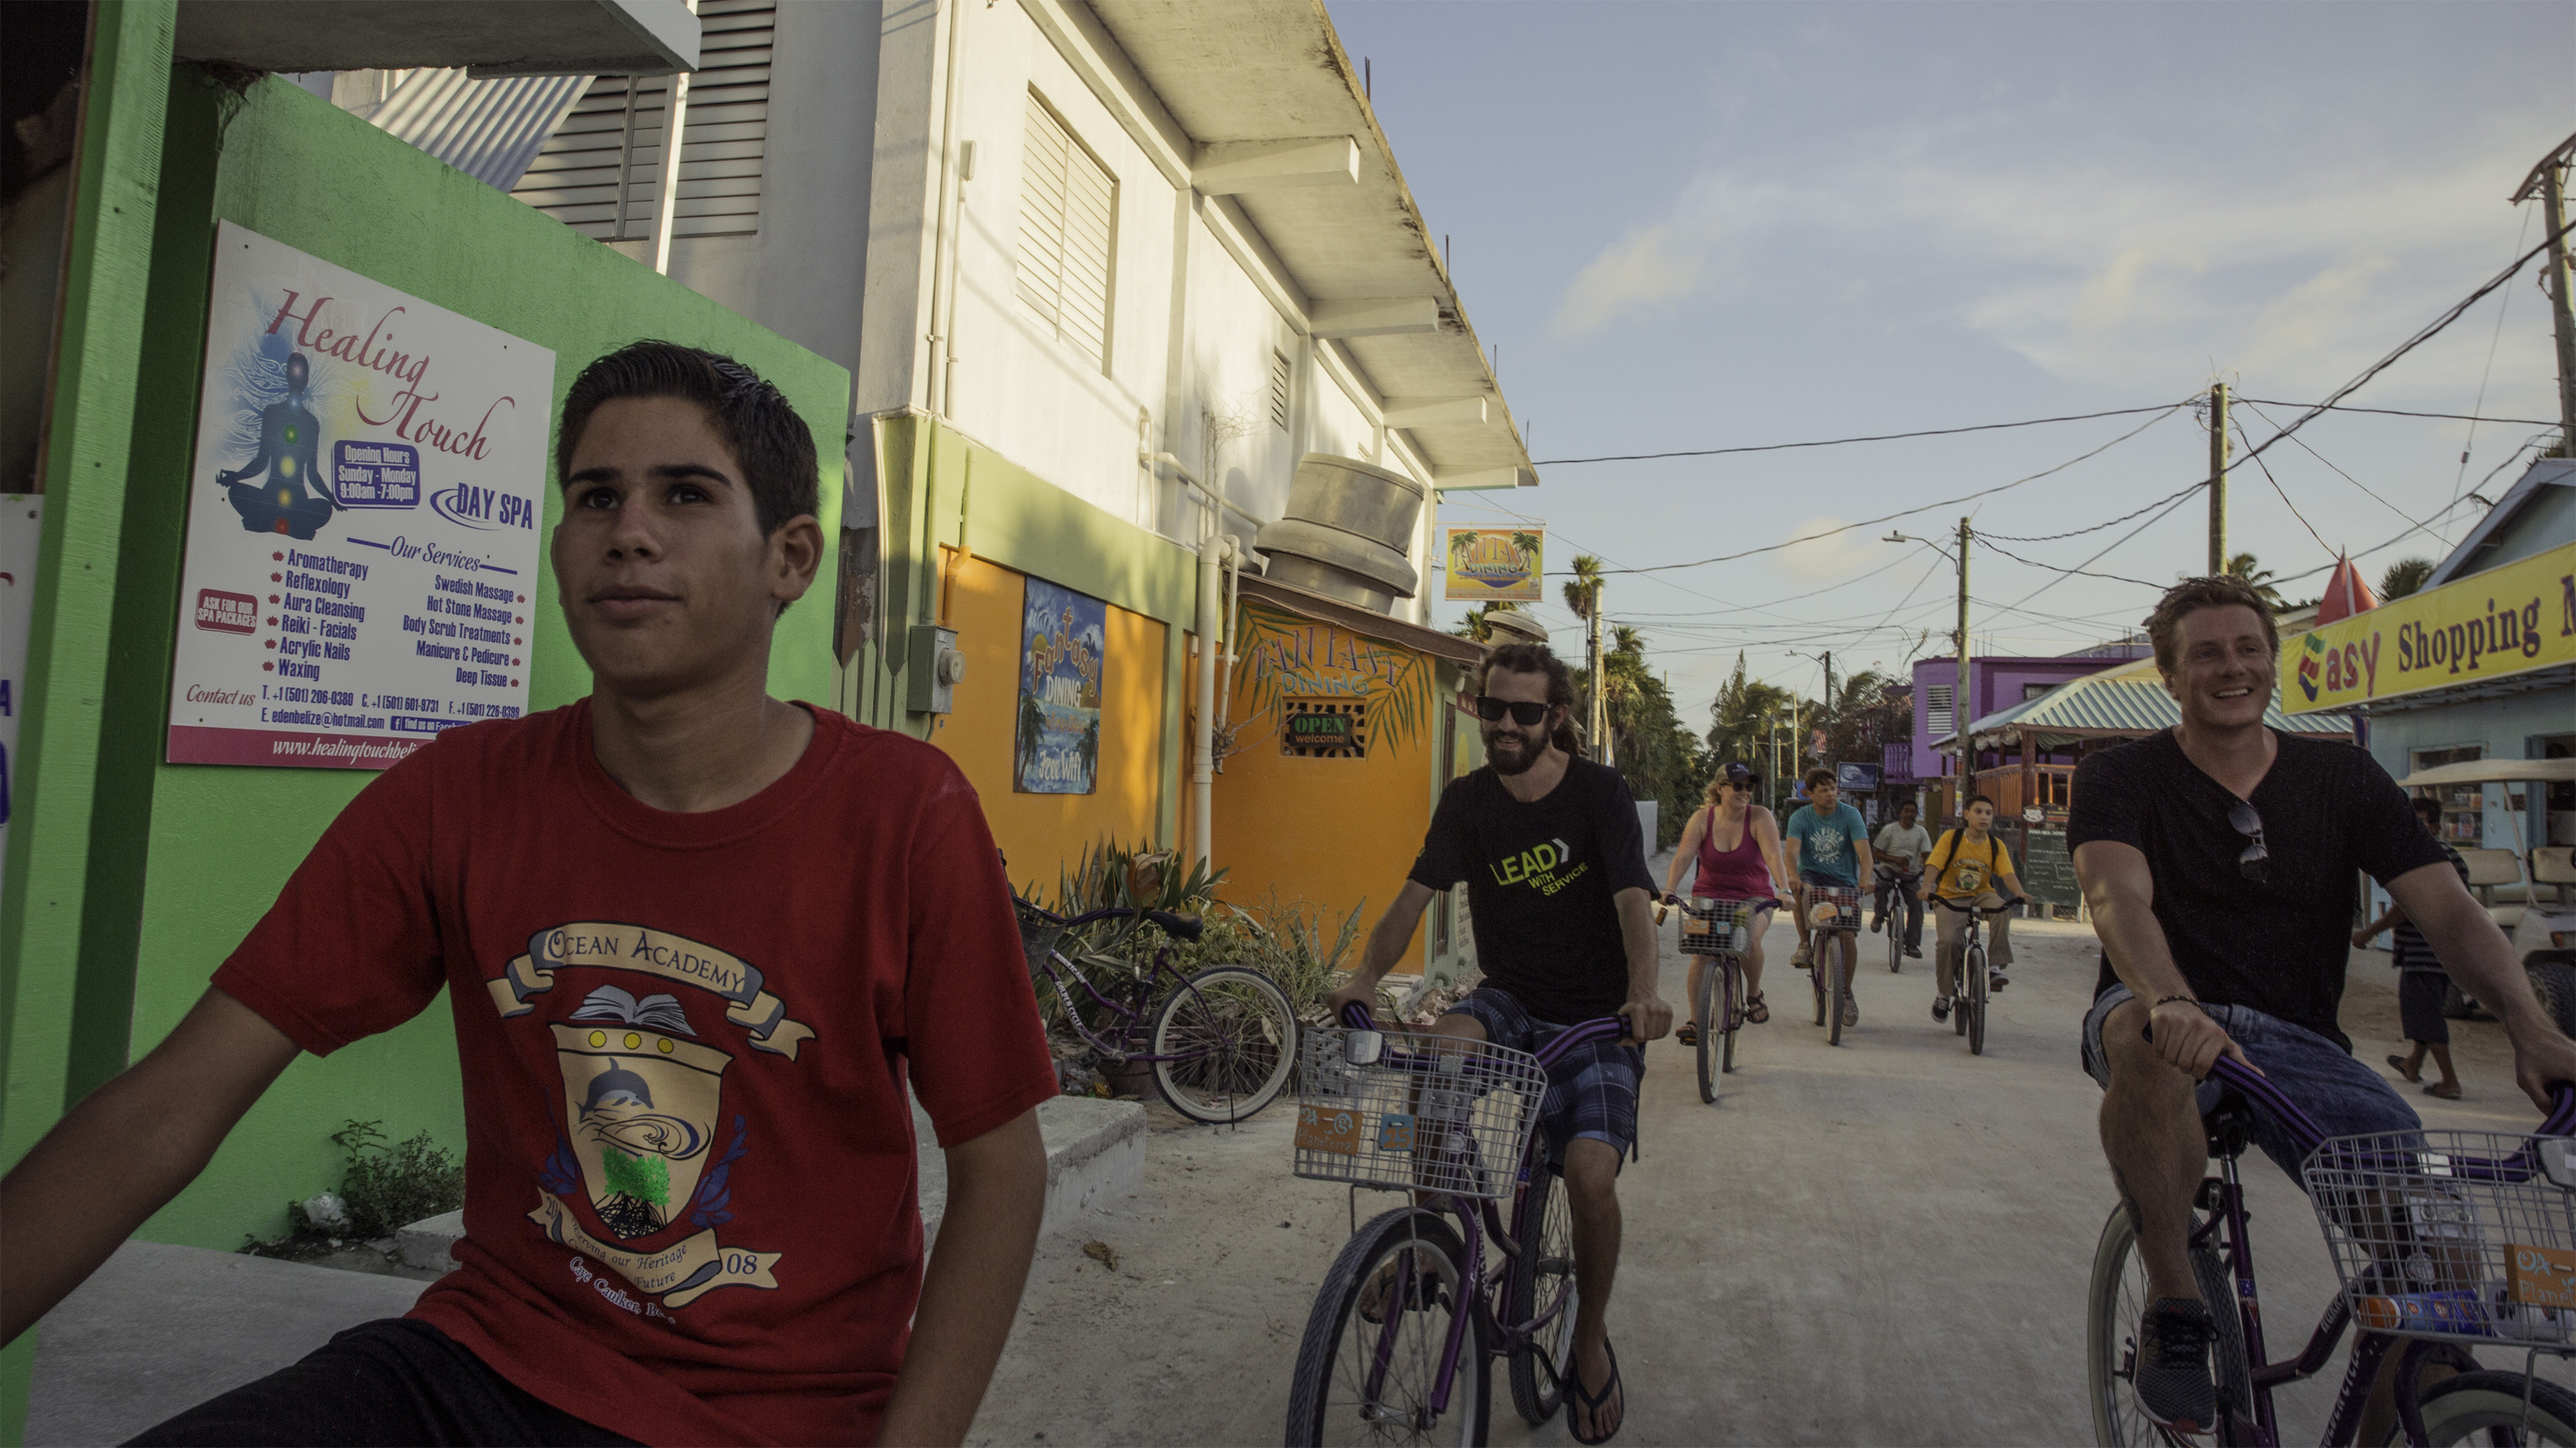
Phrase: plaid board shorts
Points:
(1591, 1094)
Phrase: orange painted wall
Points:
(1039, 833)
(1329, 832)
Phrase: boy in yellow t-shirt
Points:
(1974, 868)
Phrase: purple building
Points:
(1994, 683)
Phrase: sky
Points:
(1689, 226)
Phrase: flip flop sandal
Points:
(1593, 1402)
(2398, 1064)
(2447, 1093)
(1688, 1035)
(1756, 1011)
(1373, 1297)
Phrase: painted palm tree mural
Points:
(1285, 657)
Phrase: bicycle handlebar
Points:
(2307, 1135)
(1357, 1017)
(1972, 907)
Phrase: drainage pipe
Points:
(1214, 554)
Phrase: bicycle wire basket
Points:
(1846, 902)
(1039, 931)
(2452, 1234)
(1716, 927)
(1432, 1113)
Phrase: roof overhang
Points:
(524, 37)
(1275, 132)
(1289, 598)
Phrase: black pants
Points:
(2419, 1006)
(1909, 906)
(391, 1382)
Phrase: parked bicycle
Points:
(1220, 1043)
(1830, 908)
(2443, 1241)
(1400, 1344)
(1968, 1011)
(1715, 931)
(1898, 891)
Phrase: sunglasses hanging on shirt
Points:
(2253, 864)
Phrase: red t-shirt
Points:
(689, 1197)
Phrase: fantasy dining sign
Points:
(2492, 625)
(363, 518)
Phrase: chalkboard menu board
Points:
(2048, 870)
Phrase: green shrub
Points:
(389, 1186)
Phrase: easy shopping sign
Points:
(2492, 625)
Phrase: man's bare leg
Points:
(1851, 965)
(1698, 971)
(2152, 1136)
(1592, 1192)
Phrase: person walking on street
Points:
(2219, 860)
(1900, 847)
(1555, 868)
(1829, 847)
(1970, 867)
(1749, 868)
(2422, 983)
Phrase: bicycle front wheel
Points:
(1733, 1006)
(1842, 992)
(1542, 1281)
(2487, 1407)
(1973, 1009)
(1893, 924)
(1705, 1002)
(2117, 1300)
(1362, 1381)
(1230, 1042)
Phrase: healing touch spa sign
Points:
(364, 519)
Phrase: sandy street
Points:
(1885, 1243)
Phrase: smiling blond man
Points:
(2219, 858)
(697, 941)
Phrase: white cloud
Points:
(1649, 265)
(1829, 548)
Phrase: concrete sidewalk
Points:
(159, 1328)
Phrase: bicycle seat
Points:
(2230, 1126)
(1179, 927)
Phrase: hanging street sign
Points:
(1494, 565)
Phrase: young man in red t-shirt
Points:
(696, 941)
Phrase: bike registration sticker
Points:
(1324, 1129)
(1395, 1132)
(2543, 1276)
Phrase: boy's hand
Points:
(1355, 990)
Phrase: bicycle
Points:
(1717, 930)
(1968, 1011)
(2441, 1240)
(1220, 1044)
(1452, 1122)
(1844, 901)
(1898, 889)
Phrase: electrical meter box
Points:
(931, 671)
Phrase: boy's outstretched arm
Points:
(971, 1291)
(126, 1150)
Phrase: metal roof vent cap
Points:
(1347, 531)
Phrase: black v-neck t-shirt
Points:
(1541, 884)
(2280, 944)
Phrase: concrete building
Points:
(1994, 684)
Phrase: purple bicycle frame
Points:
(2227, 1212)
(1357, 1017)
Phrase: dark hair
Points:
(1979, 799)
(2428, 809)
(1536, 659)
(1821, 774)
(773, 446)
(2164, 626)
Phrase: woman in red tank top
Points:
(1735, 844)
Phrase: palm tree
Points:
(2242, 566)
(2403, 577)
(1527, 545)
(1583, 590)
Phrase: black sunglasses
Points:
(1523, 712)
(2253, 864)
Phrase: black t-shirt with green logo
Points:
(1540, 879)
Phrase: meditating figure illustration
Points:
(292, 501)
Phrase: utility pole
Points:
(2218, 453)
(1826, 723)
(1961, 714)
(1600, 713)
(2549, 181)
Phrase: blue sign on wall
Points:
(1856, 778)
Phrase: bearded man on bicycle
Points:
(1554, 862)
(2218, 858)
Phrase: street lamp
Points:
(1960, 706)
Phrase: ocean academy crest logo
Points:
(644, 1142)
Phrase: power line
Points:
(2469, 442)
(2064, 574)
(2284, 492)
(2399, 412)
(2160, 416)
(2053, 568)
(1711, 452)
(2347, 477)
(2095, 528)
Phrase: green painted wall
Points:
(215, 844)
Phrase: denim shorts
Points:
(1591, 1093)
(2320, 1077)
